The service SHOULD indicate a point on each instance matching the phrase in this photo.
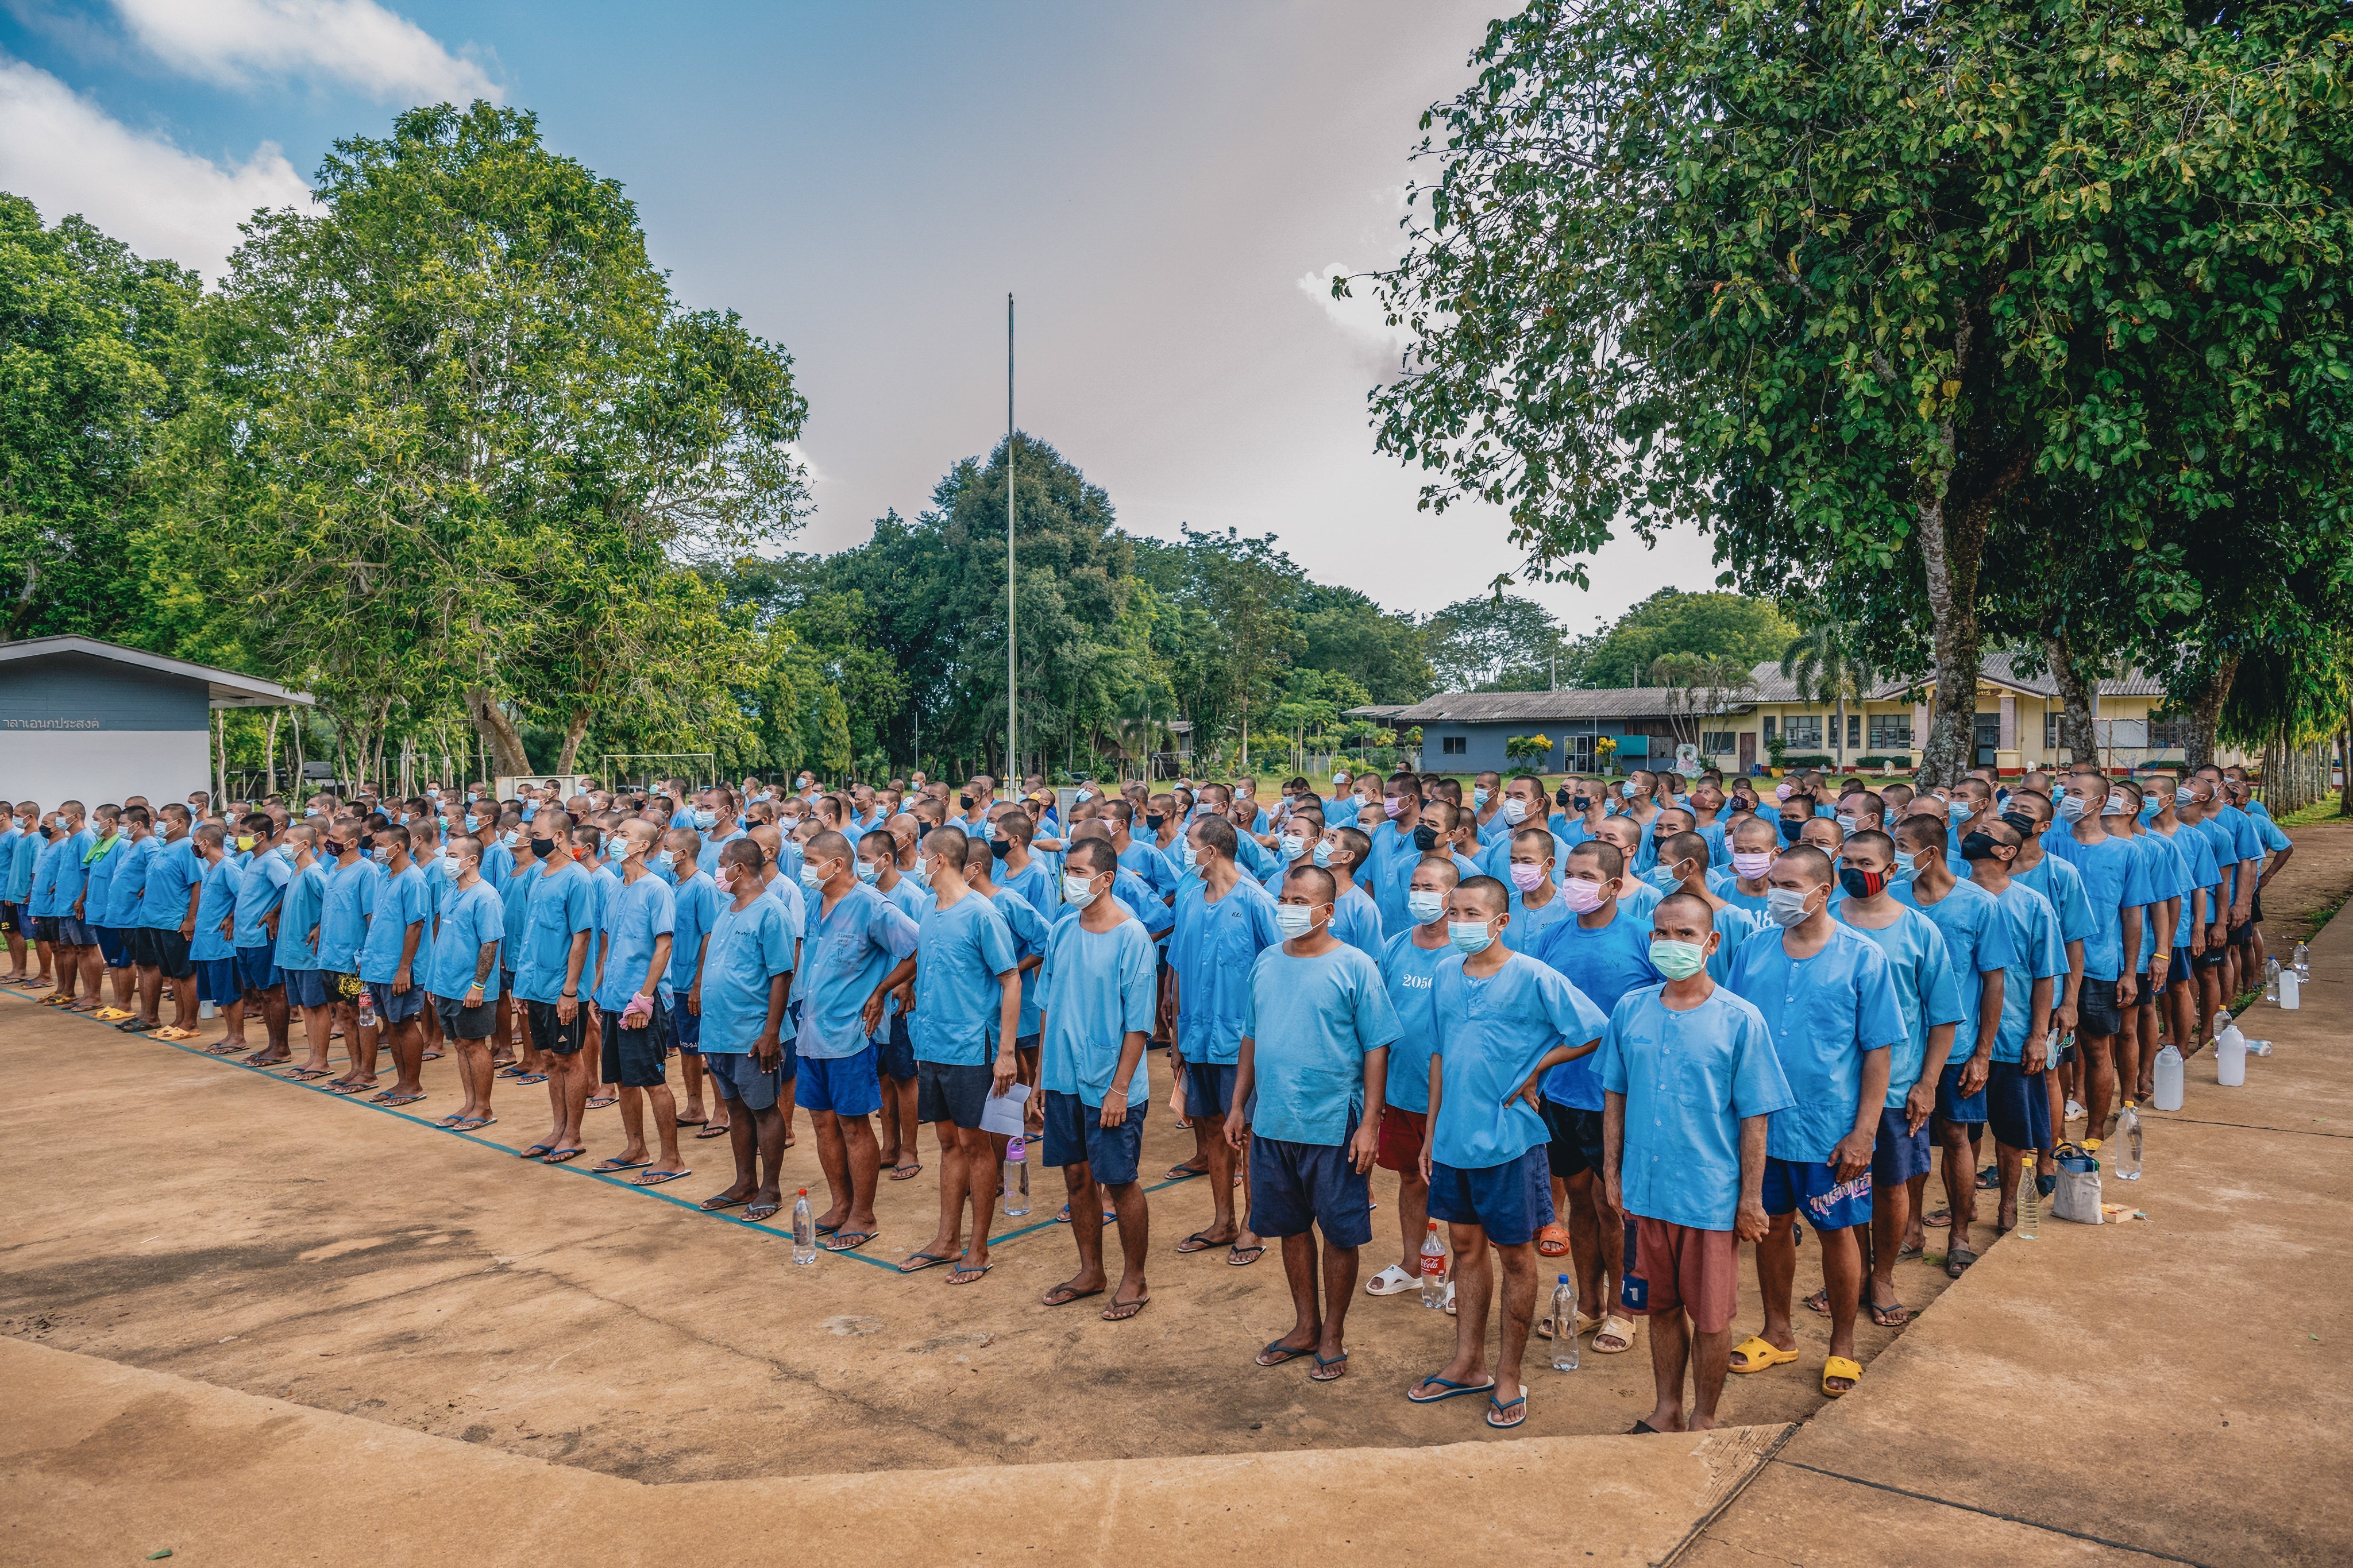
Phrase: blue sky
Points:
(1162, 186)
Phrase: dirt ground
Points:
(2311, 886)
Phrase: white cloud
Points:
(64, 155)
(1378, 348)
(357, 42)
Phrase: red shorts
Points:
(1400, 1139)
(1697, 1271)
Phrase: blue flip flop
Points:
(1282, 1352)
(1453, 1390)
(1498, 1406)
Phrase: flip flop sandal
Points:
(1057, 1298)
(1453, 1390)
(693, 1121)
(656, 1178)
(1120, 1311)
(1505, 1407)
(306, 1074)
(1839, 1366)
(1988, 1180)
(1910, 1251)
(350, 1087)
(602, 1102)
(400, 1099)
(1234, 1258)
(965, 1274)
(916, 1262)
(761, 1214)
(607, 1167)
(536, 1151)
(848, 1240)
(1182, 1173)
(710, 1131)
(1585, 1322)
(509, 1070)
(1958, 1262)
(1318, 1373)
(473, 1123)
(1198, 1242)
(1819, 1303)
(714, 1205)
(562, 1156)
(1759, 1353)
(225, 1049)
(1894, 1315)
(1282, 1352)
(906, 1172)
(532, 1078)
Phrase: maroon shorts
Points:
(1697, 1271)
(1400, 1139)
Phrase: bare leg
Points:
(1777, 1270)
(1298, 1272)
(982, 1191)
(1135, 1240)
(665, 1110)
(1413, 1218)
(1086, 1230)
(1670, 1348)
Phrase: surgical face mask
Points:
(1515, 810)
(543, 847)
(1339, 781)
(1848, 822)
(452, 866)
(1293, 845)
(1860, 884)
(1786, 906)
(1526, 877)
(922, 873)
(1392, 804)
(703, 816)
(245, 841)
(383, 854)
(1077, 891)
(868, 871)
(1424, 907)
(1425, 838)
(1000, 846)
(811, 878)
(1295, 920)
(2071, 807)
(664, 861)
(2020, 823)
(2119, 804)
(1323, 847)
(2149, 807)
(1479, 795)
(1583, 895)
(1084, 794)
(2184, 795)
(1677, 960)
(1469, 936)
(1187, 856)
(1905, 862)
(1752, 863)
(1665, 879)
(1782, 792)
(1978, 847)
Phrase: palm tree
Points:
(1825, 669)
(1698, 685)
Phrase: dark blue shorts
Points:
(257, 967)
(1899, 1153)
(1812, 1190)
(113, 945)
(1210, 1089)
(741, 1081)
(305, 987)
(1951, 1104)
(399, 1007)
(1511, 1201)
(2018, 1107)
(1075, 1135)
(73, 932)
(1294, 1186)
(894, 1052)
(844, 1085)
(685, 1025)
(953, 1091)
(216, 981)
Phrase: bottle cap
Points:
(803, 1192)
(1563, 1278)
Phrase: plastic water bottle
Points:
(2303, 961)
(2169, 1078)
(2291, 991)
(2230, 1053)
(2125, 1162)
(2271, 979)
(2029, 1197)
(1563, 1325)
(804, 1230)
(1017, 1177)
(1433, 1269)
(367, 1010)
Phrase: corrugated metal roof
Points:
(1553, 707)
(1999, 667)
(228, 688)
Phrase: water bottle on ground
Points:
(2125, 1157)
(1563, 1325)
(2029, 1197)
(2169, 1078)
(367, 1010)
(2271, 979)
(2303, 961)
(804, 1230)
(1433, 1269)
(1017, 1177)
(2230, 1052)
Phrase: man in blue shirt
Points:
(349, 896)
(747, 965)
(632, 993)
(1504, 1019)
(462, 974)
(210, 950)
(388, 967)
(2187, 939)
(1826, 996)
(2032, 813)
(2243, 873)
(1097, 995)
(167, 927)
(694, 904)
(102, 860)
(2018, 1103)
(2272, 849)
(559, 922)
(16, 920)
(2116, 887)
(268, 867)
(1689, 1082)
(63, 873)
(1409, 970)
(1311, 1074)
(296, 952)
(884, 856)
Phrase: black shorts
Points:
(165, 949)
(12, 916)
(45, 928)
(634, 1057)
(2209, 958)
(2244, 935)
(951, 1092)
(1576, 1145)
(552, 1035)
(461, 1022)
(2096, 1012)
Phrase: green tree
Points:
(1822, 663)
(1476, 644)
(1671, 621)
(1349, 635)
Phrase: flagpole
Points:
(1012, 680)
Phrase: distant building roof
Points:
(1557, 707)
(227, 689)
(1996, 668)
(1377, 710)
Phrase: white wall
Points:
(94, 766)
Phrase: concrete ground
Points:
(337, 1330)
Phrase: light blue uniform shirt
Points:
(72, 880)
(1389, 872)
(1038, 885)
(260, 888)
(1028, 930)
(864, 939)
(1926, 993)
(636, 914)
(2225, 854)
(747, 950)
(960, 952)
(694, 904)
(172, 875)
(2166, 878)
(1824, 1013)
(1096, 989)
(1151, 866)
(344, 915)
(1213, 951)
(2038, 952)
(707, 858)
(2195, 852)
(1491, 1034)
(1690, 1079)
(2062, 886)
(1410, 973)
(1977, 943)
(99, 887)
(514, 894)
(1604, 964)
(1527, 927)
(2115, 880)
(28, 846)
(401, 901)
(298, 914)
(43, 899)
(1312, 1021)
(216, 902)
(560, 904)
(469, 918)
(498, 863)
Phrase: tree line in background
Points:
(2021, 323)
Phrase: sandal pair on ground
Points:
(1119, 1311)
(1503, 1414)
(1758, 1353)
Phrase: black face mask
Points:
(1560, 796)
(1862, 884)
(1000, 848)
(334, 847)
(1425, 838)
(1978, 846)
(1152, 820)
(964, 801)
(1793, 825)
(2022, 821)
(543, 847)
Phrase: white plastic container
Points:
(2231, 1057)
(2291, 991)
(2168, 1080)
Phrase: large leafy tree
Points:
(1835, 282)
(1490, 642)
(1672, 622)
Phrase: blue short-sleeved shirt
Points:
(636, 915)
(2038, 952)
(1926, 993)
(1389, 873)
(2195, 850)
(1604, 962)
(216, 902)
(2166, 878)
(260, 888)
(1526, 929)
(1491, 1034)
(960, 951)
(172, 875)
(707, 858)
(98, 879)
(1096, 988)
(1411, 973)
(514, 893)
(694, 904)
(1690, 1079)
(1977, 943)
(1212, 953)
(343, 916)
(858, 944)
(28, 846)
(2114, 880)
(1356, 921)
(1036, 884)
(71, 878)
(1151, 866)
(1028, 930)
(747, 950)
(467, 919)
(128, 891)
(401, 901)
(1733, 926)
(560, 903)
(298, 914)
(2061, 887)
(1312, 1021)
(2225, 853)
(1825, 1013)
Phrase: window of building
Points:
(1890, 731)
(1768, 726)
(1454, 745)
(1853, 731)
(2169, 731)
(2051, 731)
(1800, 731)
(1712, 742)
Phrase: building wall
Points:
(77, 728)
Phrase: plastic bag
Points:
(2078, 1194)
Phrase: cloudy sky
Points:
(1163, 187)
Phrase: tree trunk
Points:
(2077, 730)
(1951, 563)
(574, 728)
(269, 753)
(2345, 759)
(499, 738)
(2205, 708)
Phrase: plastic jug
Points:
(2230, 1055)
(2291, 991)
(2168, 1080)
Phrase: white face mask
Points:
(451, 867)
(1295, 920)
(1293, 845)
(1786, 906)
(1077, 891)
(1424, 907)
(1515, 810)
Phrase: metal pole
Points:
(1012, 681)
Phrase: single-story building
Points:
(95, 721)
(1583, 731)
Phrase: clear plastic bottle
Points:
(2291, 991)
(2271, 979)
(804, 1230)
(1017, 1177)
(1433, 1269)
(2303, 961)
(2029, 1197)
(368, 1009)
(2125, 1160)
(1563, 1325)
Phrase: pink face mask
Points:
(1780, 792)
(1752, 863)
(1584, 897)
(1526, 877)
(1392, 804)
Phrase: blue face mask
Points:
(703, 816)
(1323, 852)
(664, 861)
(868, 871)
(1189, 856)
(1904, 863)
(1469, 936)
(1479, 795)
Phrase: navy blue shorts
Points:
(1967, 1110)
(894, 1053)
(685, 1026)
(113, 945)
(741, 1081)
(951, 1092)
(399, 1007)
(216, 981)
(1511, 1201)
(1295, 1186)
(1575, 1146)
(2018, 1107)
(305, 987)
(2179, 973)
(1812, 1189)
(844, 1085)
(257, 967)
(73, 932)
(1075, 1135)
(1899, 1153)
(1209, 1089)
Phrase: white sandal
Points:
(1391, 1282)
(1611, 1324)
